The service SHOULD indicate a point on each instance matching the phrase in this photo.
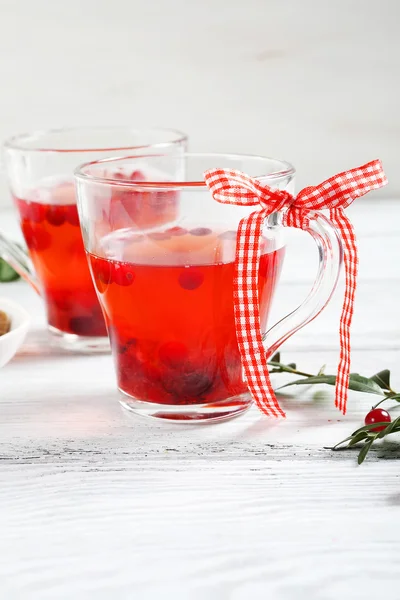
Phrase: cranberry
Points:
(188, 384)
(71, 215)
(33, 211)
(37, 212)
(177, 231)
(102, 273)
(36, 237)
(173, 354)
(81, 325)
(190, 279)
(137, 176)
(199, 231)
(377, 415)
(92, 325)
(55, 215)
(122, 275)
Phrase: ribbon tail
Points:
(247, 315)
(345, 227)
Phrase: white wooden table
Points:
(97, 503)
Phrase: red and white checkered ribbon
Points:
(334, 194)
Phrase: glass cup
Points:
(166, 289)
(40, 172)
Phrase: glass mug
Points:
(167, 290)
(40, 170)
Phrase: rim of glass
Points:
(19, 142)
(286, 170)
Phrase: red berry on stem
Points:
(377, 415)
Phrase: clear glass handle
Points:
(330, 249)
(19, 260)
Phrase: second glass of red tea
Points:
(40, 172)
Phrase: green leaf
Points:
(276, 357)
(361, 435)
(337, 446)
(329, 379)
(364, 451)
(358, 383)
(390, 428)
(382, 379)
(369, 428)
(7, 273)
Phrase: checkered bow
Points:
(334, 194)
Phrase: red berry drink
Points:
(168, 301)
(50, 224)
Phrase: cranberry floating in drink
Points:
(40, 168)
(167, 290)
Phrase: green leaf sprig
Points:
(378, 384)
(7, 273)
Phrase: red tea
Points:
(50, 224)
(168, 302)
(53, 236)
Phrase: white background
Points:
(312, 81)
